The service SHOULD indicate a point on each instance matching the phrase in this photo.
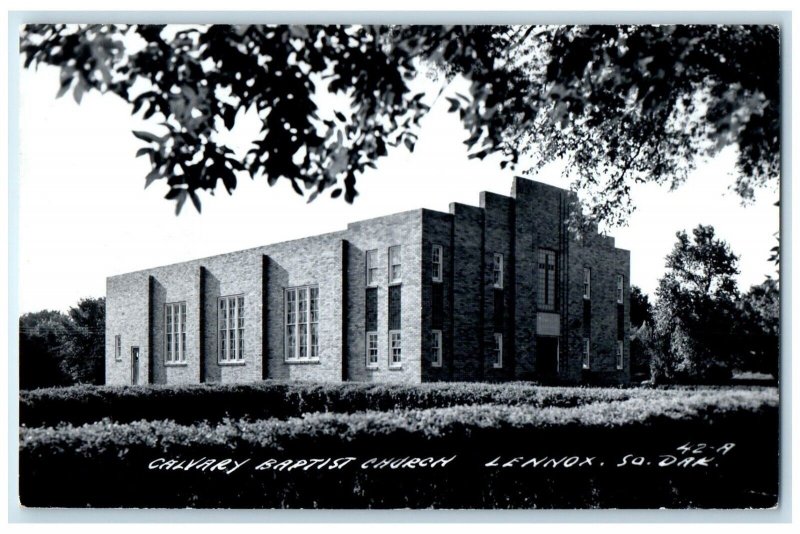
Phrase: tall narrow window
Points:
(372, 268)
(301, 334)
(436, 261)
(498, 351)
(546, 299)
(231, 329)
(587, 283)
(436, 348)
(313, 325)
(175, 332)
(371, 316)
(118, 347)
(395, 349)
(586, 347)
(372, 349)
(620, 349)
(497, 271)
(620, 288)
(395, 261)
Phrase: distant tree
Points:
(82, 350)
(58, 349)
(642, 326)
(40, 337)
(695, 317)
(619, 104)
(641, 309)
(760, 324)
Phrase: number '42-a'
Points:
(700, 448)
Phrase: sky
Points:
(85, 215)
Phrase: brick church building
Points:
(503, 291)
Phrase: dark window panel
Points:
(437, 306)
(372, 309)
(394, 307)
(499, 310)
(587, 318)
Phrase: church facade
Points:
(496, 292)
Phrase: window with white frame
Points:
(620, 349)
(118, 347)
(175, 328)
(436, 348)
(586, 348)
(497, 271)
(395, 348)
(395, 262)
(372, 349)
(498, 351)
(230, 343)
(301, 339)
(587, 283)
(436, 260)
(372, 267)
(620, 288)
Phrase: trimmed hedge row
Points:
(98, 437)
(274, 399)
(78, 465)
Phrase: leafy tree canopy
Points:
(696, 314)
(618, 104)
(760, 324)
(702, 265)
(83, 344)
(40, 337)
(59, 349)
(641, 309)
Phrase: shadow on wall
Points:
(158, 373)
(277, 280)
(356, 355)
(211, 346)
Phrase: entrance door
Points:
(547, 356)
(134, 365)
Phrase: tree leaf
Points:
(195, 200)
(147, 136)
(65, 83)
(151, 177)
(181, 200)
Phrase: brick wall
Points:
(606, 262)
(127, 311)
(174, 284)
(229, 275)
(467, 339)
(539, 223)
(310, 261)
(404, 229)
(472, 309)
(437, 230)
(498, 316)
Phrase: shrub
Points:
(80, 465)
(194, 403)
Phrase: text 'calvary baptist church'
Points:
(504, 291)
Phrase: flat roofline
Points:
(342, 232)
(354, 224)
(240, 251)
